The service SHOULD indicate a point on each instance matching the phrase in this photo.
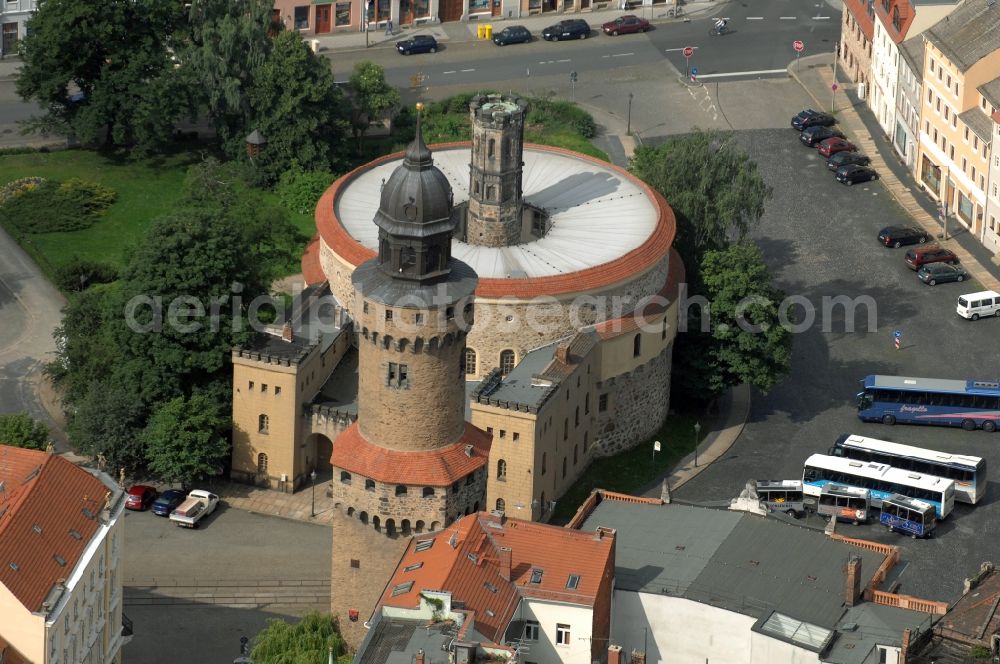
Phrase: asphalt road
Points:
(818, 237)
(233, 553)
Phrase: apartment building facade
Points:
(855, 48)
(990, 236)
(906, 133)
(14, 15)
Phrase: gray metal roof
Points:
(340, 391)
(516, 387)
(740, 562)
(396, 641)
(912, 51)
(991, 91)
(968, 34)
(980, 123)
(876, 625)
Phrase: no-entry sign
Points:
(798, 45)
(688, 51)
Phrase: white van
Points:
(979, 305)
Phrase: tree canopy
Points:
(21, 430)
(185, 439)
(372, 98)
(305, 642)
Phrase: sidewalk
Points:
(815, 75)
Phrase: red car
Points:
(931, 253)
(832, 146)
(624, 25)
(140, 497)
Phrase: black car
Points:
(813, 136)
(417, 44)
(897, 236)
(814, 120)
(514, 34)
(846, 157)
(570, 29)
(801, 115)
(852, 173)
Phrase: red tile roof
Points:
(312, 270)
(41, 507)
(671, 289)
(906, 14)
(635, 262)
(440, 467)
(479, 563)
(859, 10)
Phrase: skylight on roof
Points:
(796, 631)
(573, 582)
(74, 534)
(402, 588)
(423, 545)
(59, 560)
(536, 576)
(489, 586)
(471, 556)
(414, 566)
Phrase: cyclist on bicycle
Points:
(720, 25)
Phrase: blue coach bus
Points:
(970, 404)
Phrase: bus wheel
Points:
(990, 426)
(968, 425)
(888, 419)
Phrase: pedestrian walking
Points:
(388, 28)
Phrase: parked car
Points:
(933, 274)
(417, 44)
(814, 120)
(813, 135)
(625, 25)
(512, 34)
(573, 28)
(844, 158)
(801, 115)
(167, 501)
(140, 497)
(915, 258)
(195, 507)
(832, 146)
(897, 236)
(852, 173)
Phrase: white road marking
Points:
(755, 18)
(787, 18)
(744, 73)
(621, 55)
(820, 18)
(566, 60)
(449, 72)
(467, 70)
(671, 50)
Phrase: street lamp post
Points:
(312, 477)
(628, 131)
(697, 430)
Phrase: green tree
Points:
(108, 421)
(185, 439)
(715, 190)
(20, 430)
(305, 642)
(298, 109)
(115, 54)
(745, 340)
(372, 98)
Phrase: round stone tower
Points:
(495, 209)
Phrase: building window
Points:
(369, 485)
(302, 18)
(342, 14)
(562, 634)
(388, 314)
(491, 149)
(502, 470)
(543, 463)
(364, 307)
(404, 376)
(516, 436)
(565, 464)
(428, 492)
(576, 417)
(506, 362)
(602, 403)
(263, 388)
(576, 454)
(637, 345)
(262, 464)
(449, 313)
(501, 505)
(250, 385)
(345, 477)
(277, 390)
(400, 489)
(418, 319)
(393, 372)
(262, 422)
(503, 434)
(531, 630)
(565, 428)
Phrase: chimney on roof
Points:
(468, 450)
(853, 581)
(638, 657)
(562, 353)
(286, 331)
(420, 657)
(665, 492)
(614, 654)
(504, 563)
(905, 647)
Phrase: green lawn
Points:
(631, 470)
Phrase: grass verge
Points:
(631, 470)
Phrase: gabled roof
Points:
(488, 563)
(980, 123)
(912, 51)
(906, 12)
(49, 511)
(976, 613)
(991, 91)
(968, 34)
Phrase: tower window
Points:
(250, 386)
(586, 404)
(262, 464)
(491, 193)
(404, 380)
(393, 373)
(263, 388)
(564, 468)
(369, 485)
(576, 417)
(364, 307)
(602, 403)
(501, 505)
(345, 477)
(262, 423)
(428, 492)
(418, 319)
(502, 470)
(470, 361)
(400, 489)
(543, 463)
(449, 313)
(388, 314)
(506, 362)
(492, 148)
(566, 428)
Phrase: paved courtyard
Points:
(818, 237)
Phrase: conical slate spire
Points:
(418, 156)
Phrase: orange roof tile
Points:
(671, 289)
(477, 572)
(312, 270)
(636, 261)
(440, 467)
(906, 15)
(859, 11)
(41, 508)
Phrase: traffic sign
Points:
(798, 45)
(688, 51)
(834, 87)
(694, 71)
(897, 333)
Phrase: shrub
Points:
(298, 191)
(18, 187)
(88, 196)
(79, 274)
(35, 205)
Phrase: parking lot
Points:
(819, 238)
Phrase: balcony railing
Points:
(126, 625)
